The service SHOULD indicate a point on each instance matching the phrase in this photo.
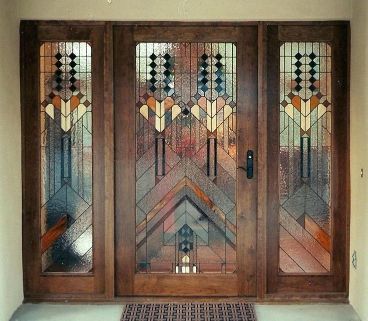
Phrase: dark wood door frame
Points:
(60, 288)
(127, 281)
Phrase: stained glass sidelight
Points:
(66, 156)
(186, 157)
(305, 157)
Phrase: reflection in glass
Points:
(186, 157)
(305, 157)
(66, 156)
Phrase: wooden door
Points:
(185, 125)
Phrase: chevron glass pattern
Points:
(185, 157)
(305, 157)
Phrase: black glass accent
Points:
(204, 65)
(72, 56)
(58, 56)
(298, 56)
(218, 65)
(58, 64)
(312, 56)
(218, 56)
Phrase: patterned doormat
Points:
(189, 312)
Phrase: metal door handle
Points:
(249, 168)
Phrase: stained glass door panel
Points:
(66, 156)
(305, 157)
(186, 149)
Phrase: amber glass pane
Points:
(66, 156)
(305, 157)
(186, 151)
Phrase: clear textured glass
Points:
(66, 156)
(305, 157)
(186, 157)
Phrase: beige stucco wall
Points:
(359, 157)
(186, 9)
(10, 187)
(11, 290)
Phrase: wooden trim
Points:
(179, 23)
(109, 164)
(124, 83)
(30, 156)
(247, 131)
(186, 285)
(262, 163)
(185, 34)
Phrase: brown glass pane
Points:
(305, 157)
(186, 157)
(66, 156)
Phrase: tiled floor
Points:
(67, 312)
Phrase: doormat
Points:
(189, 312)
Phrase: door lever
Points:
(249, 168)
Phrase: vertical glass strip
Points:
(305, 157)
(66, 156)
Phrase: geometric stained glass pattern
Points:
(185, 157)
(305, 157)
(66, 156)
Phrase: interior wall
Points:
(359, 157)
(186, 10)
(11, 287)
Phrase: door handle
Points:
(249, 162)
